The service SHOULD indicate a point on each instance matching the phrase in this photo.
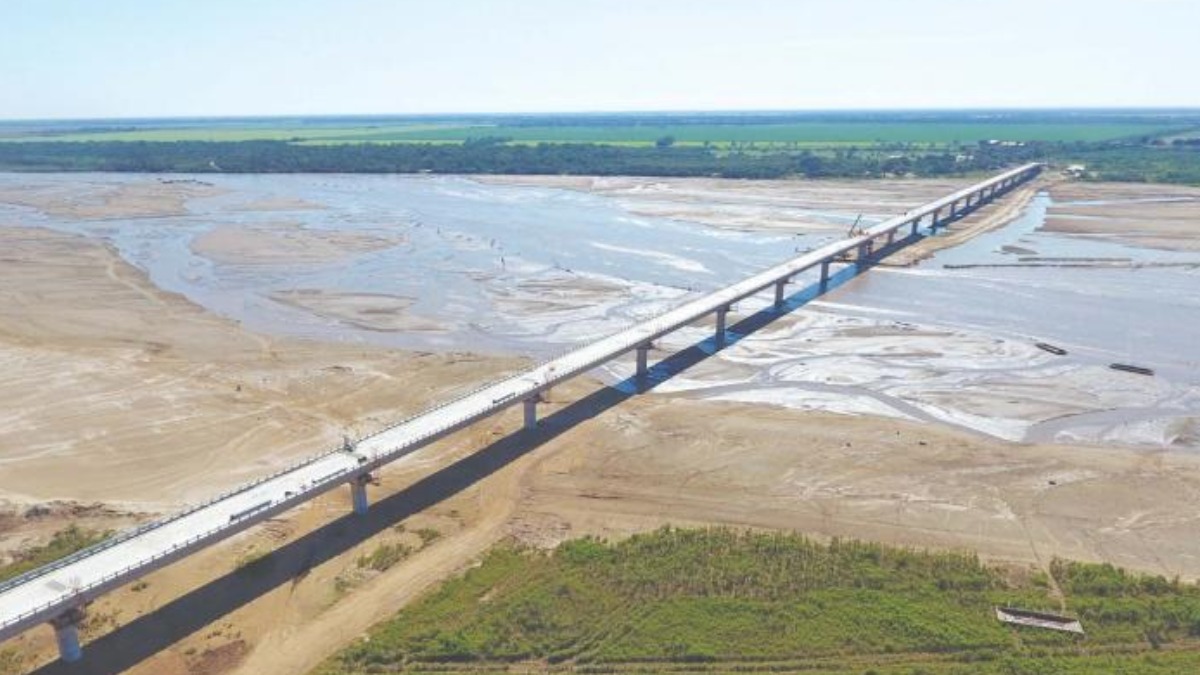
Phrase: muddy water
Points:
(453, 264)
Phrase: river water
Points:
(453, 264)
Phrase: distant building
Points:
(1075, 170)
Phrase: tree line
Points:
(1129, 161)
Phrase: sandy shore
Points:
(100, 201)
(283, 243)
(123, 394)
(1152, 216)
(787, 205)
(157, 402)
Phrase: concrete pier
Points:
(864, 251)
(66, 634)
(720, 336)
(779, 285)
(358, 495)
(530, 405)
(824, 275)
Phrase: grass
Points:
(721, 600)
(794, 135)
(864, 133)
(383, 557)
(62, 544)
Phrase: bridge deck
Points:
(49, 592)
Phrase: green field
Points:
(864, 133)
(800, 134)
(720, 601)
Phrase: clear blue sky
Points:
(127, 58)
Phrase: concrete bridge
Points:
(59, 593)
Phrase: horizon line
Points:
(631, 112)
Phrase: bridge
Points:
(58, 593)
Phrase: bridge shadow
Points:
(139, 639)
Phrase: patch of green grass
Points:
(62, 544)
(726, 600)
(384, 556)
(428, 535)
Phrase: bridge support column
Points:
(864, 251)
(953, 210)
(824, 275)
(720, 336)
(66, 633)
(531, 413)
(779, 294)
(358, 494)
(915, 225)
(933, 224)
(643, 368)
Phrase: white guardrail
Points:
(419, 430)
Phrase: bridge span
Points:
(58, 593)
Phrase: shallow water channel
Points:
(447, 263)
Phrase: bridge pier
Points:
(531, 412)
(779, 294)
(864, 251)
(915, 225)
(824, 275)
(953, 210)
(933, 225)
(358, 494)
(720, 335)
(643, 368)
(66, 634)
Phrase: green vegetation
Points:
(62, 544)
(11, 662)
(384, 557)
(859, 133)
(1159, 146)
(719, 600)
(428, 535)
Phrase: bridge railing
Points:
(126, 535)
(79, 594)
